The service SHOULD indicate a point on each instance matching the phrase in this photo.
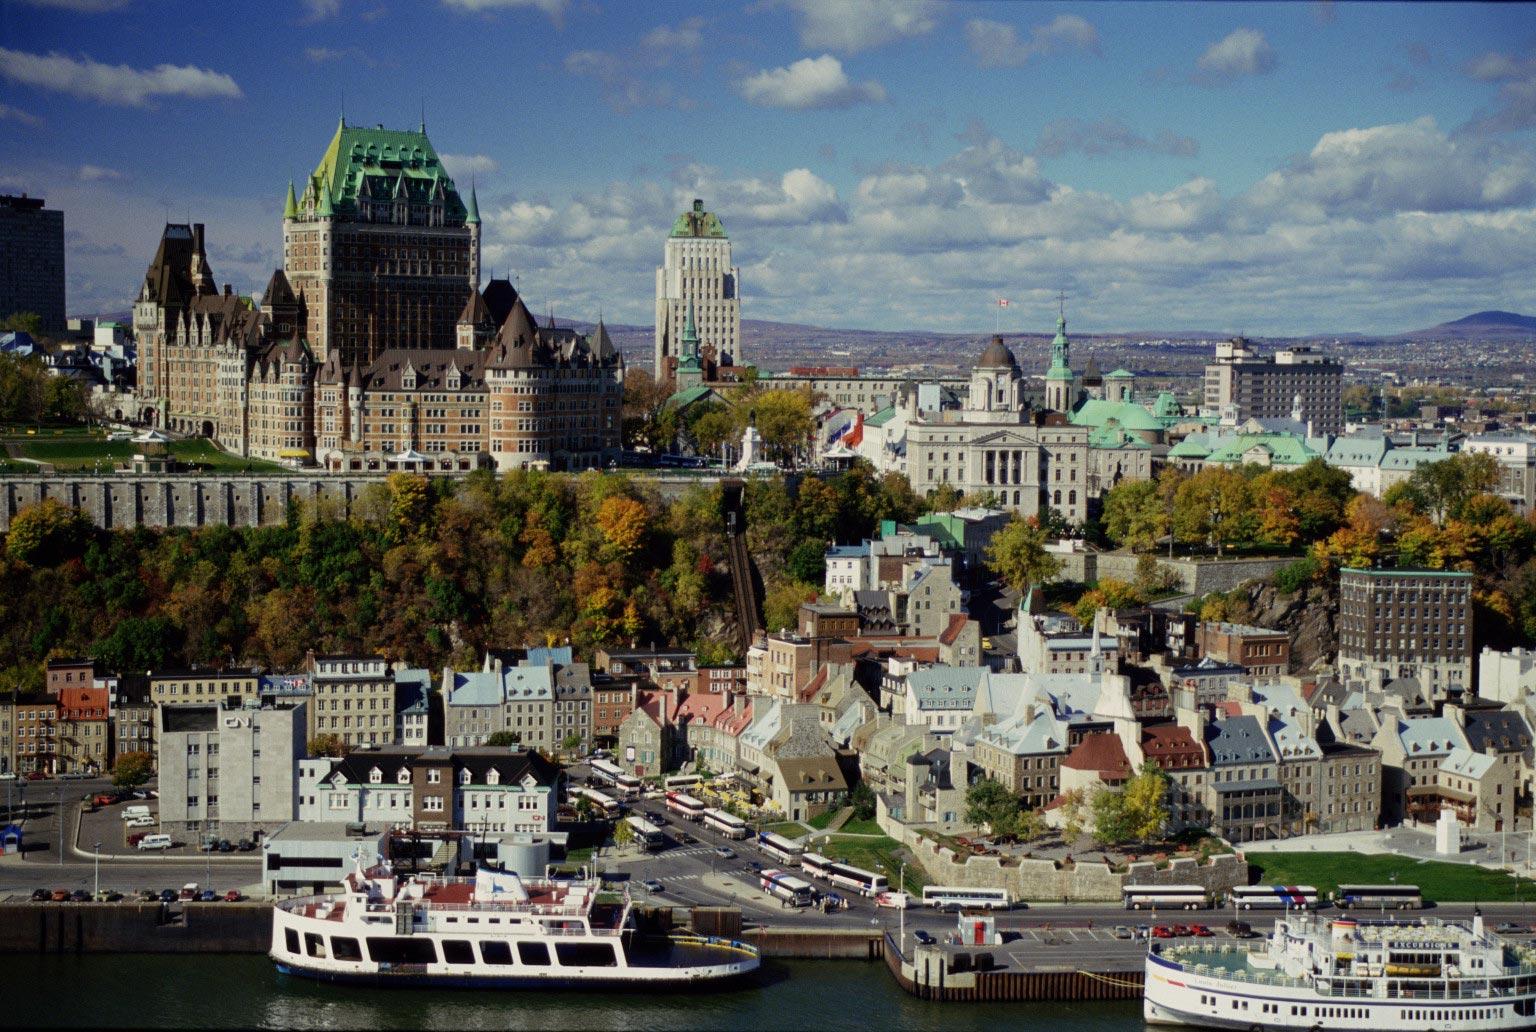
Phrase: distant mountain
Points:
(1492, 324)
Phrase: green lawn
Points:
(858, 827)
(1439, 881)
(789, 829)
(821, 820)
(877, 854)
(82, 453)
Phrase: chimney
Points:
(738, 703)
(197, 238)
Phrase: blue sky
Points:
(1275, 169)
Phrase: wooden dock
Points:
(935, 973)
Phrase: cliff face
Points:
(1307, 614)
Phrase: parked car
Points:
(652, 885)
(207, 896)
(74, 775)
(79, 896)
(148, 895)
(725, 853)
(1123, 932)
(1181, 930)
(1162, 932)
(40, 895)
(923, 937)
(233, 896)
(245, 845)
(107, 896)
(60, 896)
(1200, 930)
(142, 822)
(226, 846)
(167, 895)
(894, 900)
(7, 775)
(36, 775)
(1240, 929)
(1510, 928)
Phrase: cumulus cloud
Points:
(12, 114)
(1516, 106)
(89, 173)
(622, 88)
(1109, 136)
(554, 8)
(688, 35)
(997, 44)
(811, 82)
(854, 25)
(463, 166)
(1242, 52)
(798, 198)
(319, 10)
(113, 84)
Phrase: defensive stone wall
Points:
(1196, 576)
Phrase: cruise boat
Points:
(494, 930)
(1315, 973)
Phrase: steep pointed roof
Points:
(291, 207)
(1061, 364)
(472, 210)
(475, 311)
(323, 208)
(279, 292)
(601, 344)
(518, 344)
(385, 160)
(500, 297)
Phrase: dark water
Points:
(246, 992)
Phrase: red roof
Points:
(1101, 753)
(957, 622)
(813, 686)
(1172, 746)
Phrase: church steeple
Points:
(690, 335)
(1058, 378)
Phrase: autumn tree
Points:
(623, 522)
(132, 769)
(784, 421)
(623, 834)
(47, 532)
(1214, 505)
(328, 745)
(409, 507)
(1108, 594)
(1440, 490)
(1017, 554)
(1134, 515)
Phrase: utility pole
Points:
(96, 891)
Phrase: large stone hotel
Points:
(373, 347)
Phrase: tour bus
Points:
(1382, 897)
(1166, 897)
(866, 883)
(626, 785)
(780, 848)
(647, 836)
(685, 806)
(727, 824)
(604, 804)
(797, 892)
(1274, 897)
(681, 782)
(959, 897)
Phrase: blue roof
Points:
(559, 656)
(1238, 740)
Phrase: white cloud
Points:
(1516, 106)
(798, 198)
(463, 166)
(554, 8)
(319, 10)
(686, 36)
(1195, 205)
(997, 44)
(1109, 136)
(850, 26)
(8, 113)
(113, 84)
(811, 82)
(93, 172)
(1241, 52)
(623, 90)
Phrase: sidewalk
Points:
(1483, 849)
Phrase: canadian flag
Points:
(1003, 302)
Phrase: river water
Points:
(160, 991)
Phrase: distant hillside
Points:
(1480, 325)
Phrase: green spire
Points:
(323, 207)
(291, 209)
(473, 216)
(1061, 368)
(690, 335)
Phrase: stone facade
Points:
(697, 276)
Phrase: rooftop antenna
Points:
(343, 108)
(1061, 303)
(423, 116)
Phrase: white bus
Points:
(1166, 897)
(780, 848)
(797, 892)
(685, 806)
(959, 897)
(601, 802)
(866, 883)
(727, 824)
(1378, 897)
(681, 782)
(626, 785)
(647, 836)
(1274, 897)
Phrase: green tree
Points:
(1134, 515)
(862, 799)
(571, 741)
(140, 643)
(1215, 504)
(23, 322)
(623, 834)
(1017, 554)
(503, 739)
(1441, 489)
(1108, 821)
(781, 603)
(47, 532)
(132, 769)
(1144, 803)
(989, 803)
(1074, 816)
(328, 745)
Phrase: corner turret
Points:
(291, 208)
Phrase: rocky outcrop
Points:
(1308, 614)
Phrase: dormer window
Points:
(464, 776)
(375, 776)
(404, 777)
(493, 777)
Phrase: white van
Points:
(134, 812)
(143, 821)
(156, 842)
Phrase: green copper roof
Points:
(1192, 447)
(388, 161)
(1061, 366)
(682, 399)
(882, 417)
(472, 218)
(690, 334)
(1283, 449)
(1120, 374)
(1127, 414)
(323, 207)
(291, 208)
(1166, 405)
(698, 223)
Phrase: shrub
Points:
(1297, 575)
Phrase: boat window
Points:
(314, 945)
(390, 949)
(585, 954)
(495, 952)
(291, 940)
(345, 948)
(458, 951)
(535, 953)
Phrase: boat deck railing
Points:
(1519, 981)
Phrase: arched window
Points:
(1071, 497)
(1058, 496)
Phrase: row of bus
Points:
(1273, 897)
(627, 786)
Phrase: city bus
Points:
(601, 802)
(780, 848)
(647, 836)
(626, 785)
(681, 782)
(866, 883)
(1166, 897)
(797, 892)
(727, 824)
(685, 806)
(1382, 897)
(1274, 897)
(959, 897)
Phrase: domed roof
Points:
(997, 356)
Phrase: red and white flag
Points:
(1002, 302)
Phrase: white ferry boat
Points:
(494, 930)
(1313, 973)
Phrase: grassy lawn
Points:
(1439, 881)
(789, 829)
(858, 827)
(821, 820)
(82, 452)
(874, 855)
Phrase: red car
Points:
(60, 896)
(1162, 932)
(37, 775)
(1182, 930)
(233, 896)
(1201, 930)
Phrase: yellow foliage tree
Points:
(623, 522)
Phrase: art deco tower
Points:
(697, 270)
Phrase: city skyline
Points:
(1279, 169)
